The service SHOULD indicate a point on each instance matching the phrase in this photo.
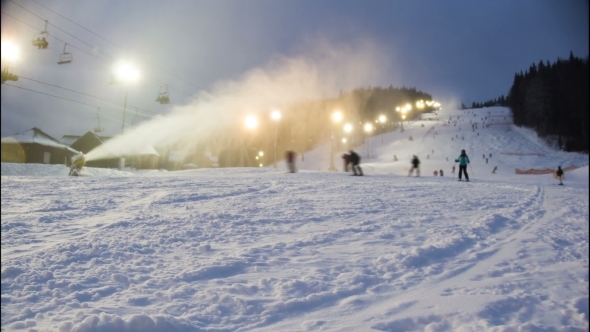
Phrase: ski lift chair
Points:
(40, 39)
(65, 57)
(163, 97)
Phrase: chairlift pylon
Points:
(40, 39)
(65, 57)
(163, 97)
(98, 129)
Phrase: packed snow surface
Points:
(242, 249)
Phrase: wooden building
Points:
(87, 143)
(35, 146)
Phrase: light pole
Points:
(251, 122)
(125, 72)
(368, 129)
(382, 120)
(336, 118)
(276, 116)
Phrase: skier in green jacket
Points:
(463, 161)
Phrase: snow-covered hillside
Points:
(264, 250)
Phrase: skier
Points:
(346, 159)
(463, 161)
(355, 159)
(290, 156)
(440, 172)
(559, 174)
(435, 173)
(415, 164)
(495, 169)
(453, 170)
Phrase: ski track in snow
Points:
(258, 249)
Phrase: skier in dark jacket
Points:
(463, 161)
(559, 174)
(346, 159)
(415, 166)
(290, 157)
(355, 159)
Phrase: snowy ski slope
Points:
(264, 250)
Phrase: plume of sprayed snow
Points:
(285, 80)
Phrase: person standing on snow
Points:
(346, 159)
(415, 166)
(463, 161)
(290, 156)
(559, 174)
(355, 159)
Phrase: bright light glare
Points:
(368, 127)
(420, 104)
(125, 71)
(404, 116)
(9, 51)
(344, 140)
(348, 127)
(397, 109)
(382, 118)
(251, 122)
(261, 153)
(260, 165)
(408, 107)
(337, 116)
(275, 115)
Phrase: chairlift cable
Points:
(121, 47)
(110, 103)
(93, 47)
(93, 55)
(71, 100)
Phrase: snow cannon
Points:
(79, 160)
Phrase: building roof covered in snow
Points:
(36, 136)
(70, 139)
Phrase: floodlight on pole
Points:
(347, 128)
(251, 122)
(382, 118)
(10, 53)
(337, 116)
(125, 72)
(276, 116)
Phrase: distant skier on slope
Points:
(290, 157)
(355, 159)
(559, 174)
(415, 166)
(463, 161)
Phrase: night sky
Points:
(459, 51)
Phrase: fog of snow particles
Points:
(259, 249)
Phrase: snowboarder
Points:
(490, 155)
(495, 169)
(559, 174)
(440, 172)
(346, 159)
(463, 161)
(290, 156)
(435, 173)
(355, 159)
(415, 166)
(394, 158)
